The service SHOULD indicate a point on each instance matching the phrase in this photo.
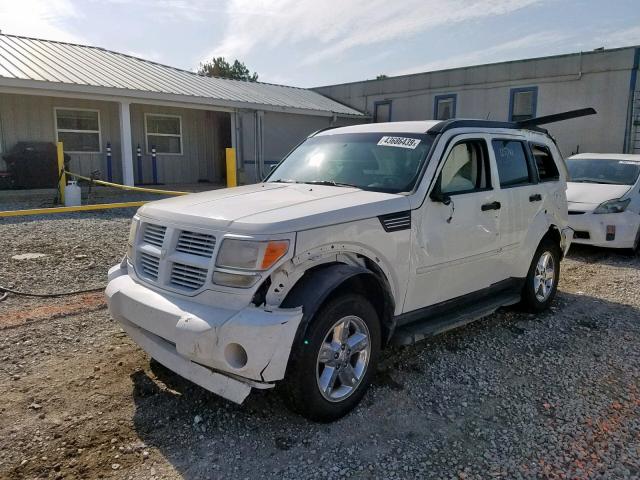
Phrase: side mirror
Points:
(438, 196)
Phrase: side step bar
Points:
(431, 326)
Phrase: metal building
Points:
(89, 97)
(604, 79)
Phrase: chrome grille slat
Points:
(200, 244)
(154, 234)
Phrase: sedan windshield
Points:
(371, 161)
(614, 172)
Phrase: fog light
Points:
(235, 355)
(611, 233)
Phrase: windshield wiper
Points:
(331, 183)
(283, 180)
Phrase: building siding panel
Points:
(590, 79)
(31, 118)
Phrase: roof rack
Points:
(529, 124)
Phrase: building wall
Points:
(200, 159)
(281, 132)
(594, 79)
(31, 118)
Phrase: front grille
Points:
(200, 244)
(154, 234)
(150, 265)
(173, 258)
(187, 276)
(581, 234)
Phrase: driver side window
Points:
(466, 168)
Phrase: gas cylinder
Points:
(72, 194)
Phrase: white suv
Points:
(361, 236)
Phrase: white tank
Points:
(72, 195)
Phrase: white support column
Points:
(126, 144)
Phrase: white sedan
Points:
(604, 199)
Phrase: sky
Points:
(310, 43)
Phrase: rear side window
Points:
(547, 169)
(512, 163)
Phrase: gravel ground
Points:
(511, 396)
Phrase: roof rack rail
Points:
(529, 124)
(556, 117)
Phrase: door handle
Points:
(535, 198)
(490, 206)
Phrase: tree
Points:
(219, 67)
(381, 77)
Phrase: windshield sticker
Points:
(624, 162)
(402, 142)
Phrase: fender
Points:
(313, 289)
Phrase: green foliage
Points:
(381, 77)
(219, 67)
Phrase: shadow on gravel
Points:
(455, 395)
(606, 256)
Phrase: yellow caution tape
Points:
(99, 206)
(81, 208)
(127, 187)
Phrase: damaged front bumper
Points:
(566, 237)
(223, 350)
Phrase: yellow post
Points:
(62, 181)
(231, 167)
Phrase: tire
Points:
(541, 286)
(314, 365)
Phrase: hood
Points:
(268, 208)
(593, 194)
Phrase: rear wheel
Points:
(331, 369)
(541, 283)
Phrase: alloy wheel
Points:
(544, 276)
(343, 358)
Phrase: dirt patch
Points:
(511, 396)
(86, 303)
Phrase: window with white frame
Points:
(78, 129)
(164, 133)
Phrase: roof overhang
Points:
(110, 94)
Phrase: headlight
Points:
(133, 232)
(250, 257)
(612, 206)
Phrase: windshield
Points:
(615, 172)
(380, 162)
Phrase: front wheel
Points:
(541, 283)
(332, 367)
